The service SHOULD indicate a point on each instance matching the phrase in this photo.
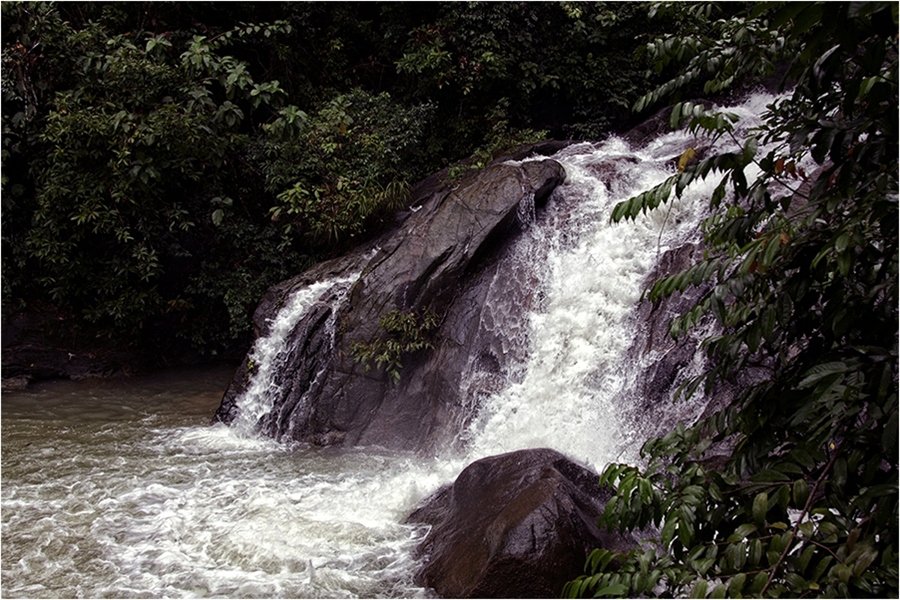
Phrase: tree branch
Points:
(803, 513)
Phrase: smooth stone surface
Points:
(441, 258)
(517, 525)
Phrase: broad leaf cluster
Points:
(349, 161)
(789, 488)
(402, 333)
(121, 167)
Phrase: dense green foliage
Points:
(791, 488)
(119, 167)
(163, 163)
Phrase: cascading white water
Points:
(269, 351)
(574, 380)
(124, 491)
(576, 385)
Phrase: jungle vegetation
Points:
(163, 163)
(789, 488)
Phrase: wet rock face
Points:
(517, 525)
(440, 259)
(664, 375)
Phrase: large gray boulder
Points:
(517, 525)
(441, 260)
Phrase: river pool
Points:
(124, 489)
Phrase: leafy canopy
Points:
(165, 162)
(121, 157)
(789, 489)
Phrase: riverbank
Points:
(40, 344)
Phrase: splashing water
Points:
(113, 490)
(576, 385)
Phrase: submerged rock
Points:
(517, 525)
(438, 261)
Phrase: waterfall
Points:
(570, 376)
(270, 352)
(575, 385)
(125, 492)
(574, 382)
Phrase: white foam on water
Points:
(205, 511)
(578, 383)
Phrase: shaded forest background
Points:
(164, 163)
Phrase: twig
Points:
(803, 513)
(775, 176)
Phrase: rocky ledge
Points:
(440, 261)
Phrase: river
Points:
(122, 489)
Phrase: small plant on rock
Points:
(402, 332)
